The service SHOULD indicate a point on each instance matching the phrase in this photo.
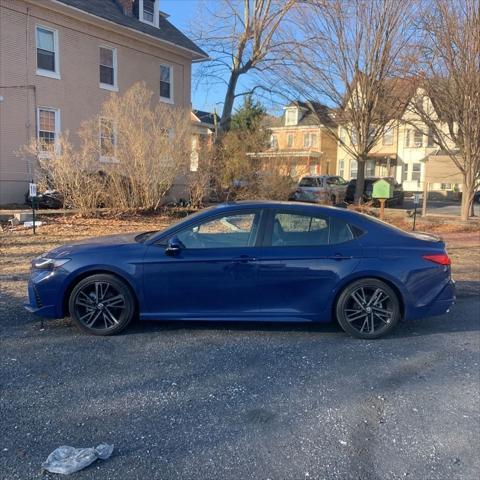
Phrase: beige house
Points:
(300, 143)
(60, 59)
(404, 149)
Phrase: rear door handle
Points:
(244, 259)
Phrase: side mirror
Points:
(174, 246)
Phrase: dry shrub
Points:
(129, 155)
(245, 175)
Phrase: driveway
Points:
(243, 401)
(436, 207)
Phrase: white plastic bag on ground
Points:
(68, 460)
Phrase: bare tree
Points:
(450, 81)
(353, 58)
(241, 36)
(128, 157)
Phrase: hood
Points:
(95, 243)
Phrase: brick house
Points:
(300, 142)
(60, 60)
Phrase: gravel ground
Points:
(242, 401)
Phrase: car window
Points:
(342, 181)
(292, 229)
(308, 182)
(229, 231)
(332, 181)
(341, 231)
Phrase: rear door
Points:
(305, 256)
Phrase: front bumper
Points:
(45, 293)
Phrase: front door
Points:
(304, 258)
(213, 275)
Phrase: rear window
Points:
(296, 229)
(308, 182)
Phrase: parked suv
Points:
(320, 189)
(396, 200)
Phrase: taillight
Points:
(440, 258)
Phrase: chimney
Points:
(126, 6)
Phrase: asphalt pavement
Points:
(243, 401)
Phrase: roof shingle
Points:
(109, 10)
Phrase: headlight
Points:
(43, 263)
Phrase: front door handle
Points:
(244, 259)
(339, 256)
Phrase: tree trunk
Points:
(228, 102)
(468, 194)
(360, 187)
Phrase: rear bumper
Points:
(438, 306)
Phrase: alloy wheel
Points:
(99, 305)
(369, 310)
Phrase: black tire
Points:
(101, 304)
(371, 314)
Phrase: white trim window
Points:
(148, 12)
(353, 168)
(108, 68)
(291, 116)
(48, 61)
(290, 140)
(387, 138)
(341, 168)
(310, 140)
(48, 129)
(273, 142)
(416, 172)
(194, 156)
(107, 140)
(166, 83)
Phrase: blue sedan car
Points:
(266, 261)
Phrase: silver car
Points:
(320, 189)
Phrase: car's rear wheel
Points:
(368, 309)
(101, 304)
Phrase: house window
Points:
(108, 141)
(274, 142)
(343, 136)
(416, 172)
(291, 116)
(48, 128)
(417, 138)
(387, 139)
(194, 155)
(430, 138)
(108, 68)
(353, 169)
(413, 138)
(354, 137)
(290, 140)
(148, 10)
(370, 168)
(309, 140)
(166, 87)
(47, 52)
(446, 186)
(405, 172)
(341, 168)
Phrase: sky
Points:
(182, 13)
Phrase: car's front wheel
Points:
(368, 309)
(101, 304)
